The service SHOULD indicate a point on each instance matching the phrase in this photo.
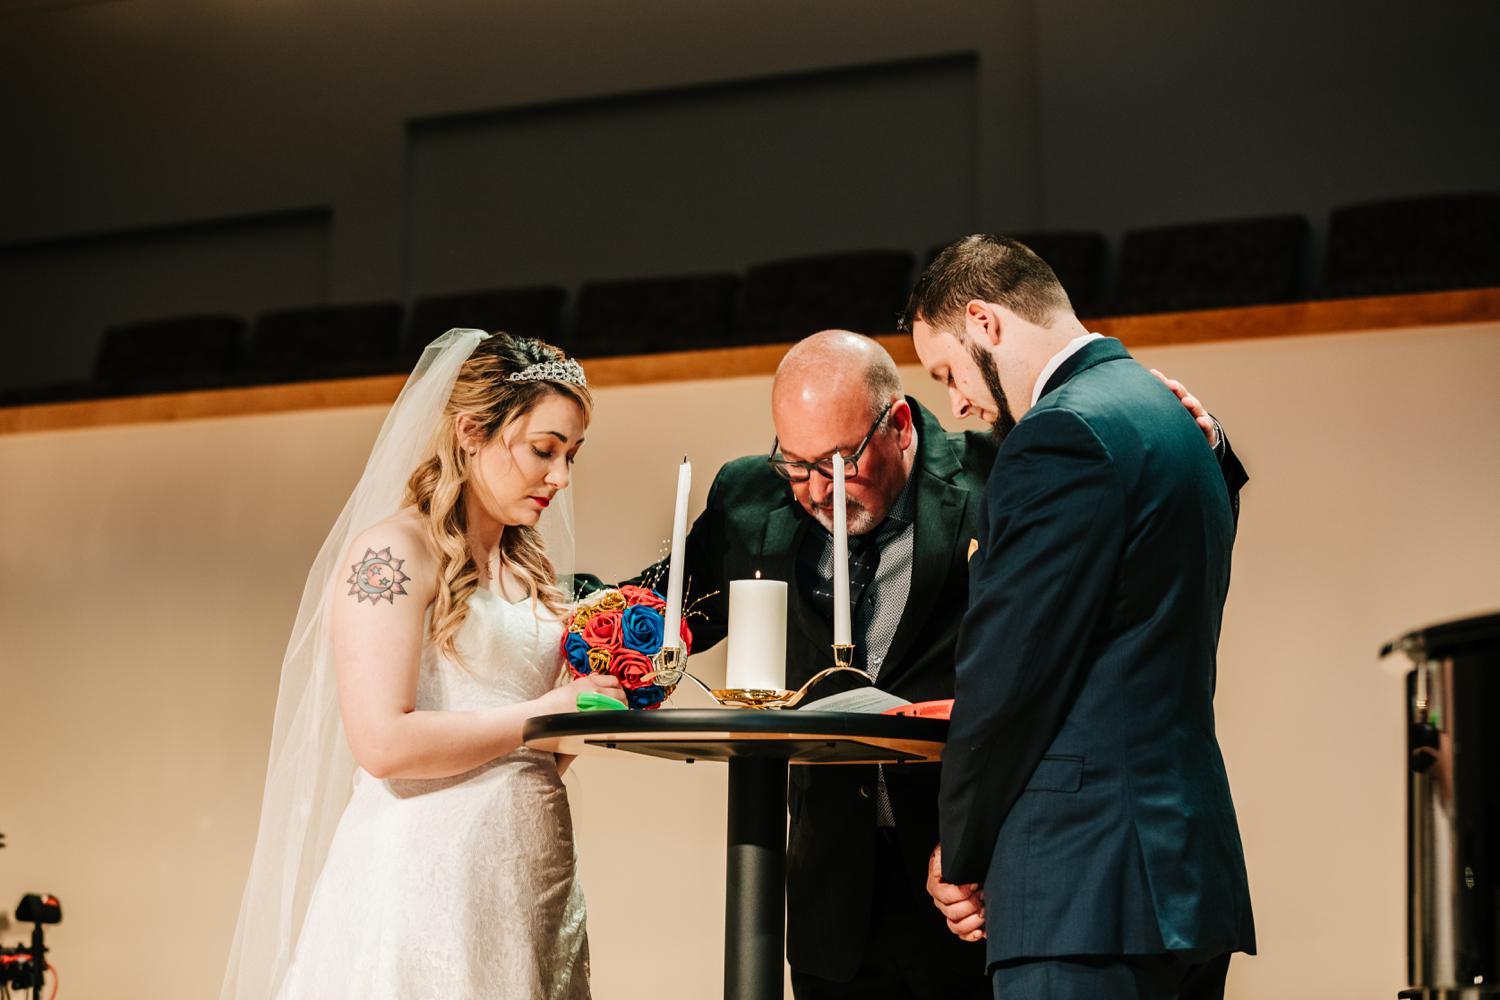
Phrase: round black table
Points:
(758, 746)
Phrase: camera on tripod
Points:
(22, 967)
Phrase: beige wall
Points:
(148, 576)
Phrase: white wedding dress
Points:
(461, 887)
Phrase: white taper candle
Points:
(672, 634)
(840, 556)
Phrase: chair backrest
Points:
(1211, 265)
(534, 311)
(785, 300)
(652, 315)
(1413, 245)
(325, 342)
(183, 352)
(1079, 260)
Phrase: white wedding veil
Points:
(309, 776)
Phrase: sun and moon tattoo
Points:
(377, 577)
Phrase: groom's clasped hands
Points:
(962, 906)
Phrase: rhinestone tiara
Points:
(568, 371)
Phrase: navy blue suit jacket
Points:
(1082, 782)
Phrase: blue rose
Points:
(577, 651)
(641, 629)
(645, 697)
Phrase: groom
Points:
(1082, 784)
(859, 922)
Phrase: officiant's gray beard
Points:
(1004, 419)
(857, 517)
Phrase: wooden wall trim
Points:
(1365, 315)
(1298, 319)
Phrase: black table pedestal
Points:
(757, 746)
(755, 902)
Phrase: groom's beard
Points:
(1004, 419)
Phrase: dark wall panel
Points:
(56, 298)
(706, 179)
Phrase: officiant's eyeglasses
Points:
(801, 472)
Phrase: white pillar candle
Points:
(757, 635)
(672, 634)
(840, 556)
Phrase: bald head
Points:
(835, 367)
(833, 392)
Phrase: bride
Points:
(417, 849)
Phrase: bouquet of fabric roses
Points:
(618, 631)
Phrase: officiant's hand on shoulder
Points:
(961, 905)
(1205, 421)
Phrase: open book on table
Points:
(865, 698)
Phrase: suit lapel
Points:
(939, 518)
(1095, 352)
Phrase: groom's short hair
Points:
(990, 268)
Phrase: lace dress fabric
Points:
(456, 887)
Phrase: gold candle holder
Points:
(670, 663)
(752, 698)
(671, 667)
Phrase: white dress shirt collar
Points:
(1071, 348)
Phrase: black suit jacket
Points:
(753, 524)
(1082, 781)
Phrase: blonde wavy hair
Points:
(436, 488)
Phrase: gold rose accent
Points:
(581, 618)
(599, 661)
(612, 601)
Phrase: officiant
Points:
(859, 920)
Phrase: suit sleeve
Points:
(586, 584)
(1054, 534)
(705, 597)
(1235, 476)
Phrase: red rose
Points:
(687, 636)
(643, 595)
(631, 668)
(603, 630)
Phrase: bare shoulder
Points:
(391, 563)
